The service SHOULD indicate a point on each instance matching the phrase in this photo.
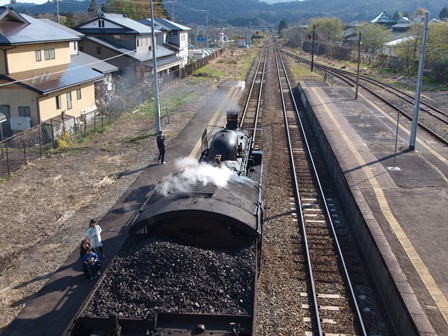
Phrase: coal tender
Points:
(190, 263)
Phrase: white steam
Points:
(193, 173)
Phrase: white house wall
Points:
(107, 25)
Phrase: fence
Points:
(31, 144)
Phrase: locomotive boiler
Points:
(190, 263)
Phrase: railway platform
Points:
(55, 305)
(397, 200)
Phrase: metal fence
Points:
(33, 143)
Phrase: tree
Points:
(420, 12)
(282, 26)
(93, 8)
(437, 42)
(329, 32)
(135, 9)
(373, 38)
(397, 16)
(409, 49)
(443, 14)
(70, 20)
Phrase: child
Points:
(92, 263)
(94, 234)
(85, 244)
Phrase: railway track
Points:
(331, 301)
(431, 119)
(250, 114)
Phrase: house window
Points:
(78, 94)
(101, 23)
(120, 37)
(98, 50)
(49, 54)
(138, 43)
(24, 111)
(38, 56)
(69, 101)
(58, 102)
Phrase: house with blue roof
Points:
(384, 19)
(127, 44)
(38, 79)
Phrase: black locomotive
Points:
(190, 263)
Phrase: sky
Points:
(6, 2)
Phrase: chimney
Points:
(232, 119)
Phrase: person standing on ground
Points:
(94, 234)
(161, 147)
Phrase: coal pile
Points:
(152, 275)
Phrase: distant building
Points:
(384, 19)
(388, 48)
(127, 44)
(402, 25)
(175, 37)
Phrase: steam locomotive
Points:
(190, 263)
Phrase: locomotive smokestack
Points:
(232, 119)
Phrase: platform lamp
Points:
(312, 49)
(419, 87)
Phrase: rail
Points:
(314, 248)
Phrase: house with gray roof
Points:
(173, 36)
(38, 79)
(126, 44)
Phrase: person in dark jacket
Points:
(92, 263)
(161, 147)
(85, 244)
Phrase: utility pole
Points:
(206, 30)
(57, 12)
(312, 49)
(359, 61)
(419, 87)
(154, 68)
(172, 10)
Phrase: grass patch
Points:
(247, 62)
(168, 104)
(303, 72)
(208, 72)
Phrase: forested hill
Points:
(259, 13)
(245, 11)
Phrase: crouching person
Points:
(92, 263)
